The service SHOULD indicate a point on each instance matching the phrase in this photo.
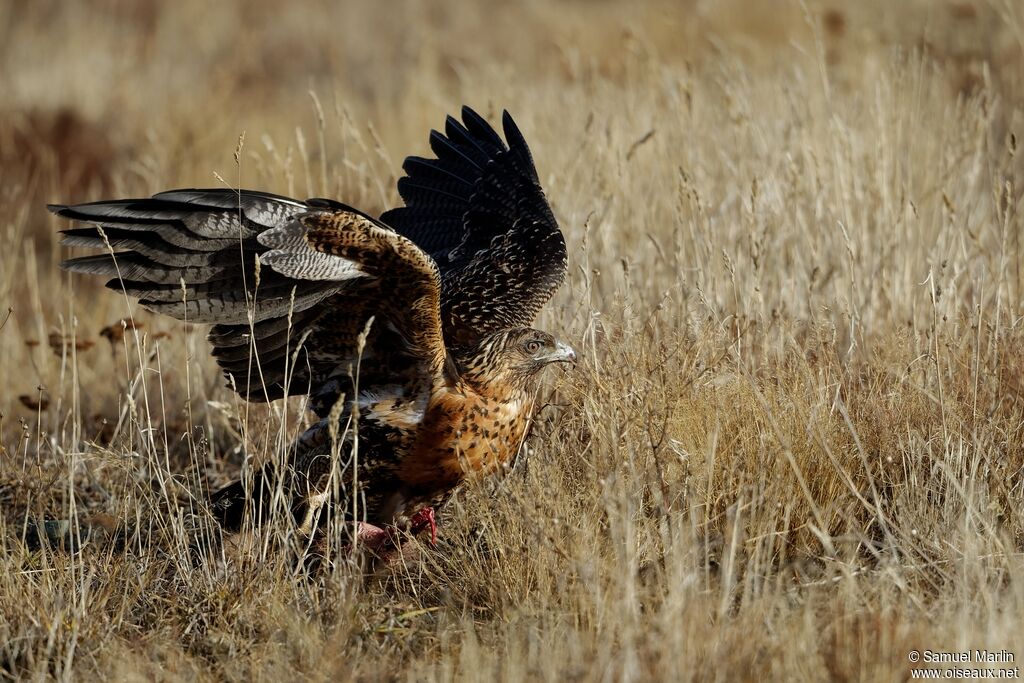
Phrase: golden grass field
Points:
(794, 449)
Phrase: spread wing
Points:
(479, 211)
(289, 286)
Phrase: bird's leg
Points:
(424, 519)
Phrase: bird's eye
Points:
(533, 346)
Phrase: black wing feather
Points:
(479, 210)
(464, 158)
(461, 136)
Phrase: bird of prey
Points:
(410, 333)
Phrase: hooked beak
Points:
(563, 353)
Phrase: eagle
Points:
(410, 333)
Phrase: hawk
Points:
(410, 333)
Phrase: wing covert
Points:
(410, 286)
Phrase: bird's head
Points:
(514, 357)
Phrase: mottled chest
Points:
(463, 432)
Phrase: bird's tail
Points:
(69, 535)
(229, 505)
(235, 503)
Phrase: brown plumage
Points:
(416, 325)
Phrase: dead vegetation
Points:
(794, 448)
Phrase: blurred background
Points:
(115, 95)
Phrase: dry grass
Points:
(794, 449)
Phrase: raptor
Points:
(410, 333)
